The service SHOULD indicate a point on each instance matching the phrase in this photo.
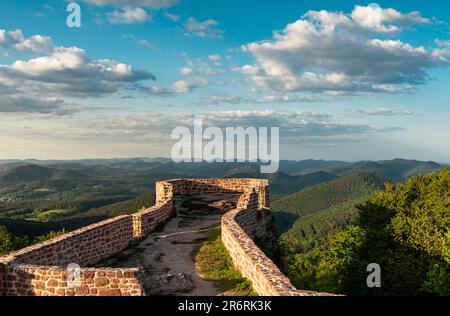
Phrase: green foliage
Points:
(9, 242)
(324, 209)
(139, 203)
(215, 264)
(6, 241)
(405, 229)
(323, 196)
(48, 236)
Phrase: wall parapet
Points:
(239, 227)
(36, 270)
(41, 269)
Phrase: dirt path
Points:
(167, 257)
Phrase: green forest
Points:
(405, 228)
(332, 218)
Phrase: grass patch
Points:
(216, 265)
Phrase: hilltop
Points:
(29, 173)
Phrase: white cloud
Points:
(158, 91)
(68, 72)
(184, 86)
(207, 29)
(128, 16)
(379, 112)
(334, 53)
(202, 67)
(156, 127)
(172, 17)
(443, 50)
(219, 99)
(385, 20)
(186, 71)
(2, 36)
(288, 99)
(17, 41)
(214, 57)
(152, 4)
(141, 42)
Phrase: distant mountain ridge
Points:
(395, 170)
(28, 173)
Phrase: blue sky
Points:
(344, 80)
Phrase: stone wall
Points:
(85, 246)
(240, 226)
(41, 269)
(167, 189)
(147, 221)
(52, 281)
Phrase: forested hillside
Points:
(316, 210)
(38, 197)
(404, 229)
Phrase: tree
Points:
(404, 229)
(9, 242)
(407, 232)
(48, 236)
(6, 241)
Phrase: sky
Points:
(343, 80)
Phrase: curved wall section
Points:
(42, 269)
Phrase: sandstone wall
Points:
(167, 189)
(52, 281)
(41, 268)
(239, 227)
(147, 221)
(85, 246)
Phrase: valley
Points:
(41, 196)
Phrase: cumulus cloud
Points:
(128, 16)
(16, 40)
(68, 71)
(152, 4)
(334, 52)
(42, 84)
(206, 29)
(385, 20)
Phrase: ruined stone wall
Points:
(167, 189)
(42, 268)
(53, 281)
(85, 246)
(147, 221)
(239, 227)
